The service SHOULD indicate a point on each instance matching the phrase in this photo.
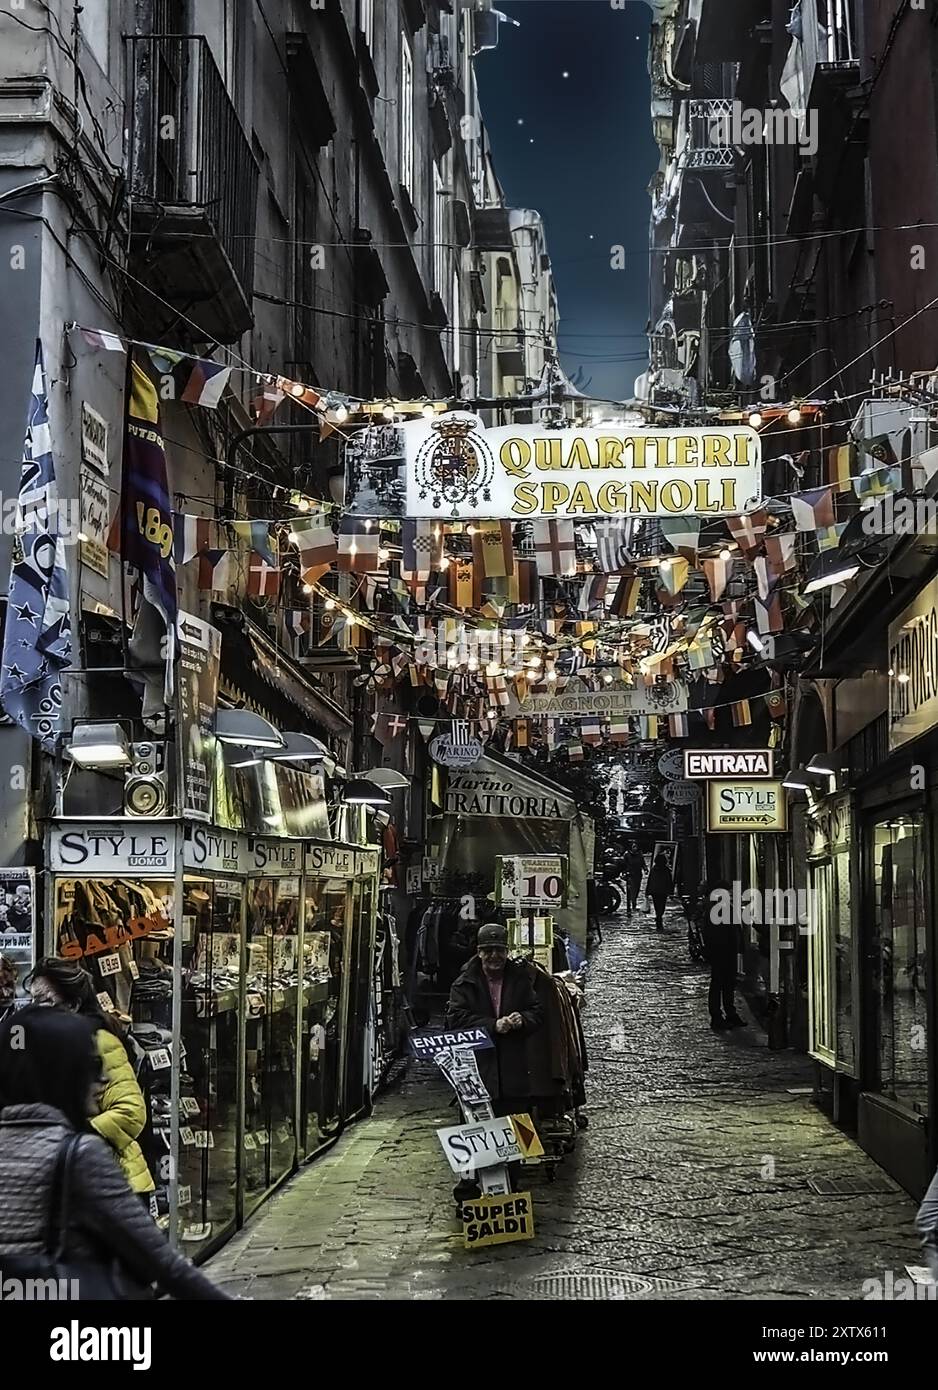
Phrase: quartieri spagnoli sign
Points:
(455, 465)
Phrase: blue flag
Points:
(37, 640)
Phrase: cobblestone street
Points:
(690, 1183)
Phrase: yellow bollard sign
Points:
(496, 1220)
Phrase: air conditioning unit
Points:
(146, 790)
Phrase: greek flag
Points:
(37, 640)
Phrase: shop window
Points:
(898, 957)
(323, 967)
(406, 132)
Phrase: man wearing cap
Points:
(495, 993)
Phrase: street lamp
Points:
(99, 745)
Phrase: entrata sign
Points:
(427, 1045)
(454, 465)
(738, 807)
(743, 762)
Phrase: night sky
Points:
(587, 171)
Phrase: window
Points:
(456, 335)
(440, 231)
(366, 22)
(407, 116)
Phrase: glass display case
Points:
(325, 949)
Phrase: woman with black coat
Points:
(659, 887)
(50, 1074)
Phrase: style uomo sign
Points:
(738, 807)
(527, 471)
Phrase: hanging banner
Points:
(738, 807)
(199, 656)
(668, 697)
(454, 466)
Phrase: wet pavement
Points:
(691, 1182)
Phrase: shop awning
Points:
(497, 786)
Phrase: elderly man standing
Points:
(495, 993)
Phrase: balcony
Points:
(192, 188)
(724, 30)
(831, 48)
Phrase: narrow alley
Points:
(691, 1182)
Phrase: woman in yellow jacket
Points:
(123, 1110)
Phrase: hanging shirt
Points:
(495, 990)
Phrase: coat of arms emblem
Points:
(455, 466)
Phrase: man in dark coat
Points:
(495, 993)
(722, 941)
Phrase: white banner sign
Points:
(456, 467)
(87, 850)
(667, 698)
(481, 1145)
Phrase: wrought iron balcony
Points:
(704, 134)
(192, 185)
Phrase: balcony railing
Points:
(704, 134)
(830, 36)
(192, 178)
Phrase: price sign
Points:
(185, 1196)
(262, 1137)
(106, 1002)
(134, 970)
(187, 1137)
(159, 1058)
(190, 1106)
(204, 1139)
(531, 880)
(431, 870)
(110, 965)
(250, 1143)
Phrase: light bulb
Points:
(304, 504)
(608, 678)
(388, 411)
(535, 662)
(493, 669)
(428, 412)
(755, 419)
(470, 530)
(473, 663)
(726, 554)
(511, 673)
(293, 538)
(296, 388)
(794, 416)
(341, 414)
(308, 589)
(367, 523)
(329, 604)
(444, 562)
(384, 554)
(551, 675)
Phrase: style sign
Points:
(483, 1144)
(705, 763)
(454, 463)
(496, 1220)
(738, 807)
(426, 1045)
(531, 880)
(90, 850)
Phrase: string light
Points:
(428, 412)
(755, 419)
(794, 416)
(388, 412)
(329, 604)
(341, 414)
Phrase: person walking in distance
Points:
(67, 1211)
(122, 1113)
(634, 873)
(722, 941)
(659, 888)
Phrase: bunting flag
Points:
(766, 577)
(613, 538)
(358, 546)
(263, 580)
(427, 728)
(550, 733)
(628, 592)
(674, 571)
(466, 586)
(145, 527)
(575, 750)
(591, 730)
(780, 551)
(648, 728)
(255, 535)
(387, 727)
(769, 613)
(522, 585)
(492, 549)
(497, 687)
(718, 572)
(828, 537)
(878, 482)
(316, 545)
(710, 718)
(196, 380)
(555, 548)
(521, 733)
(813, 509)
(99, 338)
(683, 535)
(742, 714)
(677, 725)
(216, 570)
(298, 623)
(593, 592)
(422, 548)
(37, 640)
(700, 655)
(879, 447)
(267, 398)
(193, 534)
(748, 530)
(840, 466)
(619, 731)
(776, 704)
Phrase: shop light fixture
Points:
(755, 641)
(823, 764)
(802, 779)
(386, 778)
(299, 748)
(361, 792)
(242, 728)
(99, 745)
(831, 569)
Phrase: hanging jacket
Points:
(123, 1111)
(106, 1221)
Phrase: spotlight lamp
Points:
(803, 779)
(99, 745)
(362, 792)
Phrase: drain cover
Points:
(851, 1187)
(600, 1284)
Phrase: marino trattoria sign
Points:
(470, 795)
(913, 669)
(455, 465)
